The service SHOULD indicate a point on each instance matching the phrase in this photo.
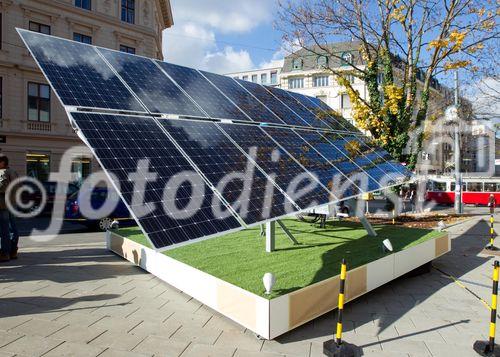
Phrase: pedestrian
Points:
(491, 203)
(8, 229)
(413, 200)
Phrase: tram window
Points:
(440, 186)
(490, 186)
(475, 186)
(452, 187)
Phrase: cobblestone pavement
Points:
(72, 297)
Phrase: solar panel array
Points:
(213, 154)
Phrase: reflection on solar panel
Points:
(238, 154)
(172, 216)
(215, 104)
(243, 99)
(216, 156)
(158, 93)
(263, 95)
(79, 76)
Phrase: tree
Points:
(403, 46)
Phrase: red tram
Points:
(475, 190)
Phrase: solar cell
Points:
(263, 95)
(243, 99)
(329, 120)
(341, 161)
(214, 103)
(307, 116)
(158, 93)
(236, 177)
(297, 182)
(179, 203)
(78, 75)
(326, 110)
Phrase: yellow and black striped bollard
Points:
(337, 347)
(491, 246)
(488, 348)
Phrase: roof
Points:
(166, 12)
(310, 58)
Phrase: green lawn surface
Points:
(240, 258)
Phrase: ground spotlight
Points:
(387, 246)
(269, 280)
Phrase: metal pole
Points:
(458, 180)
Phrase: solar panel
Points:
(341, 161)
(289, 175)
(78, 75)
(228, 169)
(155, 90)
(220, 174)
(214, 103)
(243, 99)
(263, 95)
(179, 203)
(308, 117)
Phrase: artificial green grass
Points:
(240, 258)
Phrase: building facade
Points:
(34, 129)
(269, 76)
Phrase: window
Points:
(294, 83)
(320, 81)
(346, 58)
(263, 78)
(345, 101)
(474, 186)
(322, 62)
(127, 49)
(254, 78)
(38, 166)
(490, 187)
(82, 38)
(84, 4)
(37, 27)
(80, 169)
(38, 102)
(274, 77)
(245, 78)
(297, 64)
(1, 100)
(128, 11)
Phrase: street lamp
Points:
(451, 116)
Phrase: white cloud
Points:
(192, 41)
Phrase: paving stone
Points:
(405, 346)
(225, 324)
(117, 353)
(204, 350)
(38, 327)
(31, 345)
(78, 334)
(115, 324)
(117, 340)
(161, 346)
(8, 323)
(197, 334)
(447, 350)
(300, 348)
(8, 337)
(246, 341)
(79, 318)
(164, 330)
(188, 319)
(74, 349)
(245, 353)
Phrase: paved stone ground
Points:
(72, 297)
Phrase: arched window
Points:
(297, 64)
(346, 58)
(322, 62)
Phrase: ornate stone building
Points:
(34, 129)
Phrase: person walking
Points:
(491, 203)
(8, 248)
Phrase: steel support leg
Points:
(287, 232)
(270, 236)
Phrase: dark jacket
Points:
(6, 177)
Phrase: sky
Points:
(222, 36)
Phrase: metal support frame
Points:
(270, 231)
(367, 225)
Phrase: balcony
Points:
(37, 126)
